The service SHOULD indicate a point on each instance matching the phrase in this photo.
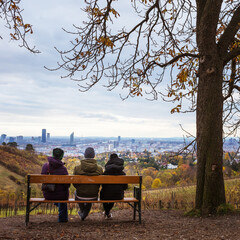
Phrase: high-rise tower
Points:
(44, 135)
(72, 138)
(3, 138)
(48, 136)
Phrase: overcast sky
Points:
(32, 98)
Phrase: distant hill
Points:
(15, 164)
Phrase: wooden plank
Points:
(82, 179)
(72, 200)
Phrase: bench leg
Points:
(28, 200)
(27, 214)
(138, 195)
(134, 211)
(139, 212)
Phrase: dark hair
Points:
(58, 153)
(114, 159)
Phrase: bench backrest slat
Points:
(82, 179)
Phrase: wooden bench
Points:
(134, 202)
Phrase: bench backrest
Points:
(83, 179)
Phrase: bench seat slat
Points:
(82, 179)
(72, 200)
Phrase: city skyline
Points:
(68, 136)
(71, 137)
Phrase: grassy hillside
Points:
(15, 164)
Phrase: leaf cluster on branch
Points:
(11, 13)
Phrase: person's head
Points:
(58, 153)
(114, 159)
(89, 153)
(113, 155)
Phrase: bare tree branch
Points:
(232, 54)
(228, 36)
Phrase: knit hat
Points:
(89, 153)
(58, 153)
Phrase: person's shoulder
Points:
(45, 164)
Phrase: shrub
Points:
(156, 183)
(29, 147)
(193, 213)
(147, 181)
(225, 208)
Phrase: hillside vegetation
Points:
(15, 164)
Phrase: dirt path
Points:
(169, 224)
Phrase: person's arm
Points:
(125, 186)
(45, 169)
(75, 173)
(65, 171)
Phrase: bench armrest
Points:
(137, 192)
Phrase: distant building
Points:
(44, 135)
(110, 147)
(171, 166)
(72, 138)
(11, 139)
(119, 138)
(115, 144)
(19, 139)
(48, 136)
(133, 141)
(3, 138)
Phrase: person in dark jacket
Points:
(56, 167)
(87, 192)
(112, 191)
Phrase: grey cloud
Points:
(99, 116)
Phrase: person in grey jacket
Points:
(88, 166)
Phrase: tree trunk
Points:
(210, 184)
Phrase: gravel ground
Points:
(159, 224)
